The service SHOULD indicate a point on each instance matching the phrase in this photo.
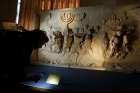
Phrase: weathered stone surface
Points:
(93, 37)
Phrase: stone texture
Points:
(92, 37)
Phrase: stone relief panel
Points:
(122, 40)
(92, 37)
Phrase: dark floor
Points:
(75, 80)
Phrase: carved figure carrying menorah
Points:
(67, 18)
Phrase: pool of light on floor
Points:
(53, 79)
(39, 85)
(51, 82)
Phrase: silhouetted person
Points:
(15, 51)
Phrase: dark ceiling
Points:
(108, 2)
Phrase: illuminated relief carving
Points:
(107, 41)
(67, 18)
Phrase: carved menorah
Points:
(67, 18)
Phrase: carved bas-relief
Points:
(58, 42)
(122, 48)
(68, 41)
(80, 38)
(120, 43)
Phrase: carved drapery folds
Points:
(121, 34)
(107, 41)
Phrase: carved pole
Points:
(66, 18)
